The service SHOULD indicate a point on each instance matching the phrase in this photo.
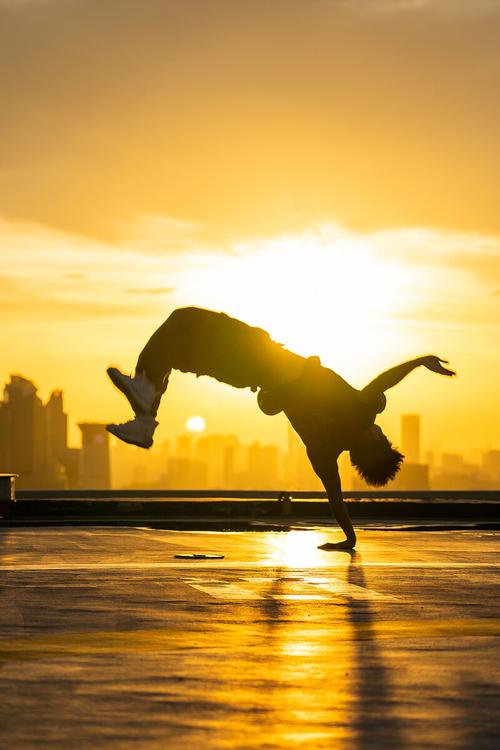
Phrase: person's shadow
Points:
(367, 694)
(375, 718)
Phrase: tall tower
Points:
(410, 437)
(57, 437)
(94, 459)
(24, 421)
(57, 424)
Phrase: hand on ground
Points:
(345, 545)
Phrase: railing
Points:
(96, 494)
(166, 507)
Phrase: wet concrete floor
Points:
(108, 641)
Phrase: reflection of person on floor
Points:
(329, 415)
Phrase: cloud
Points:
(431, 276)
(157, 234)
(462, 252)
(60, 275)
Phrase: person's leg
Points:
(166, 349)
(145, 389)
(155, 360)
(205, 343)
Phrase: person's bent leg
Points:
(155, 360)
(145, 389)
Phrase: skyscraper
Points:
(57, 440)
(25, 439)
(413, 475)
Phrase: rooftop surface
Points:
(109, 641)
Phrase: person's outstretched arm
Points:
(395, 375)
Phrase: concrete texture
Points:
(108, 641)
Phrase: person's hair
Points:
(376, 461)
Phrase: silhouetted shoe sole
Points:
(118, 380)
(115, 430)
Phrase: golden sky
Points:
(287, 161)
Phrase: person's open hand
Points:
(434, 364)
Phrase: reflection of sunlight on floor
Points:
(301, 648)
(296, 549)
(312, 665)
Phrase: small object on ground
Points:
(199, 556)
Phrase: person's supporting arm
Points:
(327, 471)
(339, 510)
(395, 375)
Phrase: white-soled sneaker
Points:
(138, 390)
(138, 431)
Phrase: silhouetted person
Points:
(329, 415)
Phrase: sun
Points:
(195, 424)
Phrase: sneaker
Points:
(138, 431)
(138, 390)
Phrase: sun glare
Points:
(326, 292)
(195, 424)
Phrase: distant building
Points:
(5, 462)
(455, 473)
(184, 447)
(411, 477)
(185, 474)
(262, 466)
(299, 474)
(72, 462)
(229, 467)
(453, 463)
(410, 437)
(25, 437)
(33, 437)
(57, 441)
(33, 443)
(57, 425)
(491, 465)
(95, 470)
(221, 455)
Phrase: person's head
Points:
(375, 458)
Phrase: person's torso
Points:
(325, 410)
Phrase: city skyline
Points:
(34, 443)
